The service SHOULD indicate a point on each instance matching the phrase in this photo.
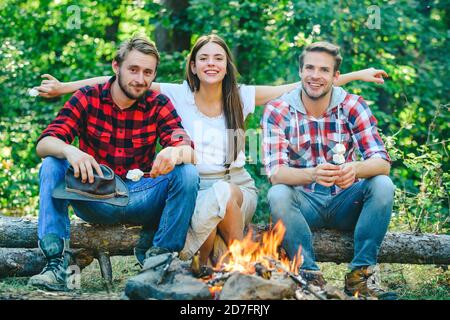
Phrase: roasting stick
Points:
(297, 278)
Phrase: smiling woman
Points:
(210, 100)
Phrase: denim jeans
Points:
(163, 205)
(365, 207)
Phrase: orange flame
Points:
(215, 291)
(243, 254)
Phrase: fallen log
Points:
(408, 248)
(330, 245)
(114, 239)
(28, 262)
(101, 241)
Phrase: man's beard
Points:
(127, 92)
(323, 94)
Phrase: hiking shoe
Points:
(365, 282)
(155, 251)
(53, 276)
(155, 257)
(139, 253)
(314, 278)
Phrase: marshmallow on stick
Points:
(135, 174)
(338, 156)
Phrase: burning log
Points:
(219, 279)
(297, 278)
(263, 271)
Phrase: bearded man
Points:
(118, 124)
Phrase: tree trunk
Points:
(21, 262)
(116, 239)
(330, 245)
(176, 38)
(410, 248)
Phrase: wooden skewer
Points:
(297, 278)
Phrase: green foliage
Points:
(266, 37)
(421, 204)
(18, 165)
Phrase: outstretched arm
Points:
(52, 87)
(367, 75)
(263, 94)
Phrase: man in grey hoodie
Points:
(311, 136)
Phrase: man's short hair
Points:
(323, 46)
(139, 43)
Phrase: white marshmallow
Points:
(135, 174)
(33, 92)
(339, 149)
(338, 159)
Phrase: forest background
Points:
(408, 39)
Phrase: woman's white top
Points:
(208, 133)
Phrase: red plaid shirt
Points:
(122, 139)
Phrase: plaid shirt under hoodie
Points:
(121, 139)
(293, 138)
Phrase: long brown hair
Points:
(231, 99)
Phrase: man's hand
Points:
(326, 174)
(164, 162)
(347, 177)
(82, 163)
(51, 87)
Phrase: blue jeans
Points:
(365, 207)
(163, 205)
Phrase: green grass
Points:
(410, 282)
(416, 282)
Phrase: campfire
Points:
(253, 268)
(252, 256)
(243, 256)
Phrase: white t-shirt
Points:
(208, 133)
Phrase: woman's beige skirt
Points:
(213, 196)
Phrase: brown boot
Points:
(364, 282)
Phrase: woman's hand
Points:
(372, 75)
